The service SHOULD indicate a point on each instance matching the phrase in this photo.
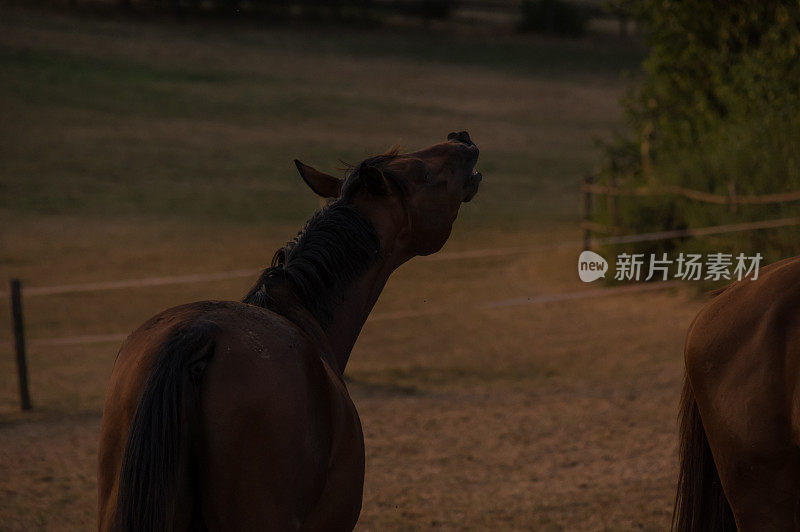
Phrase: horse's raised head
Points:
(418, 192)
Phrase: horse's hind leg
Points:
(763, 488)
(750, 437)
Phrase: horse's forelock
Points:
(352, 180)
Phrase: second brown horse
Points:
(740, 415)
(234, 416)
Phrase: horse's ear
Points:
(321, 183)
(373, 179)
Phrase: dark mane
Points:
(335, 246)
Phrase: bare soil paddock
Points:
(500, 461)
(550, 417)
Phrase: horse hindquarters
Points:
(281, 441)
(700, 504)
(155, 480)
(742, 365)
(272, 443)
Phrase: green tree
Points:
(718, 110)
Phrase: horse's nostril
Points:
(461, 136)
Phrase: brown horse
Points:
(740, 411)
(234, 416)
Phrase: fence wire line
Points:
(453, 255)
(137, 283)
(469, 254)
(699, 195)
(700, 231)
(403, 314)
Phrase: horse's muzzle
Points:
(472, 186)
(461, 136)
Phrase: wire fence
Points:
(146, 282)
(17, 291)
(591, 190)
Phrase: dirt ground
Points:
(565, 433)
(501, 461)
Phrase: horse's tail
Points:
(155, 483)
(700, 504)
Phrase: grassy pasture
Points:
(139, 149)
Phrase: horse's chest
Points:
(345, 483)
(340, 502)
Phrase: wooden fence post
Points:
(587, 212)
(611, 203)
(19, 344)
(732, 196)
(623, 24)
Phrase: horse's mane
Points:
(334, 247)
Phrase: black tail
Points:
(700, 504)
(155, 480)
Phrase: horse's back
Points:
(267, 404)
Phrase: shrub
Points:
(719, 107)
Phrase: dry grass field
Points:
(134, 149)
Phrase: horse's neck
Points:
(391, 226)
(337, 340)
(359, 296)
(350, 316)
